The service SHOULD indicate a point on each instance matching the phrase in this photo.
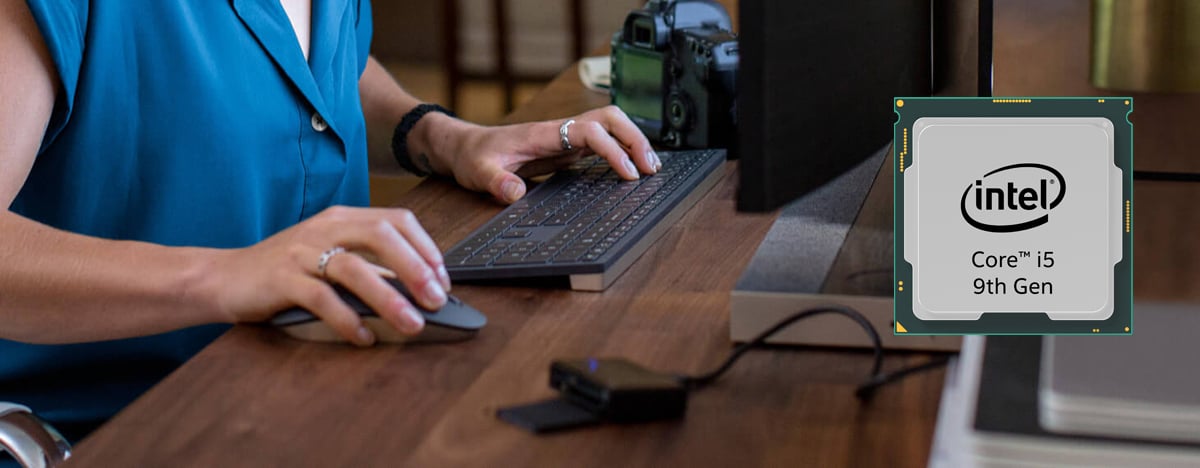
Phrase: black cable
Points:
(867, 389)
(864, 391)
(694, 382)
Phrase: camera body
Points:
(674, 70)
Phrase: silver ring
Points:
(562, 135)
(326, 256)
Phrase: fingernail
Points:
(365, 337)
(415, 320)
(511, 190)
(657, 161)
(435, 295)
(443, 276)
(632, 169)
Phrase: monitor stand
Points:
(832, 246)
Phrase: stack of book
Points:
(1076, 400)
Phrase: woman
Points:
(174, 165)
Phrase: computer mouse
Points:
(455, 321)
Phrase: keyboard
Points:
(585, 222)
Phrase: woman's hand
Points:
(494, 159)
(258, 281)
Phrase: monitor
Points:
(817, 78)
(815, 125)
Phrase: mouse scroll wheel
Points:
(453, 300)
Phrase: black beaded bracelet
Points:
(400, 137)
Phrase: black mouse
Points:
(455, 321)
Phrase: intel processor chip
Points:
(1012, 215)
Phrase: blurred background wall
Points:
(410, 41)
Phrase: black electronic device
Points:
(455, 321)
(674, 65)
(618, 390)
(816, 81)
(597, 390)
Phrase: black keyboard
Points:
(585, 222)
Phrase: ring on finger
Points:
(562, 135)
(326, 256)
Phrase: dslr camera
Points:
(674, 65)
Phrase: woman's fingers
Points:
(380, 237)
(495, 158)
(363, 279)
(595, 136)
(630, 137)
(319, 298)
(610, 134)
(501, 183)
(375, 231)
(409, 227)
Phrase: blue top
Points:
(193, 123)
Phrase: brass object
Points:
(1146, 45)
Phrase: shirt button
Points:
(318, 123)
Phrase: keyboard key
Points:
(562, 259)
(541, 256)
(574, 251)
(532, 220)
(618, 214)
(515, 234)
(513, 258)
(454, 259)
(463, 252)
(478, 260)
(496, 248)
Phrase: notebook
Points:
(1144, 386)
(988, 416)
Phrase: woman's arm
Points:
(59, 287)
(384, 103)
(490, 158)
(49, 279)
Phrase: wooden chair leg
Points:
(575, 20)
(450, 51)
(503, 52)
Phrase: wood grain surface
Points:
(255, 397)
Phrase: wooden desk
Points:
(255, 397)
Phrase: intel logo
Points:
(1013, 198)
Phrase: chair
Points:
(503, 72)
(33, 442)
